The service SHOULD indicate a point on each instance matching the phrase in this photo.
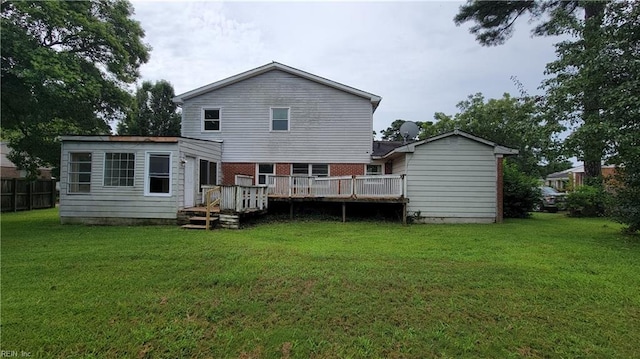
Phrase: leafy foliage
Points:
(494, 23)
(587, 201)
(392, 133)
(65, 65)
(154, 113)
(520, 192)
(508, 121)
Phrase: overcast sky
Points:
(410, 53)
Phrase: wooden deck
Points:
(244, 198)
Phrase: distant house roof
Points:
(410, 147)
(179, 99)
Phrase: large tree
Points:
(494, 24)
(65, 67)
(392, 133)
(515, 122)
(154, 113)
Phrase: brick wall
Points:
(346, 169)
(231, 169)
(283, 169)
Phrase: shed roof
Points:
(410, 147)
(179, 99)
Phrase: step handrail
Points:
(209, 195)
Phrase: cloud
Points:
(410, 53)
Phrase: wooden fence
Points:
(19, 194)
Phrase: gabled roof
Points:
(410, 147)
(179, 99)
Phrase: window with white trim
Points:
(119, 169)
(264, 170)
(158, 174)
(211, 119)
(280, 118)
(310, 169)
(372, 170)
(79, 172)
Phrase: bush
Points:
(521, 192)
(625, 206)
(587, 201)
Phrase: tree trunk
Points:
(593, 139)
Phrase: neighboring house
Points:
(9, 170)
(131, 179)
(574, 177)
(454, 177)
(276, 121)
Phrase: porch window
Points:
(211, 119)
(310, 169)
(373, 170)
(80, 172)
(280, 118)
(208, 173)
(158, 174)
(264, 170)
(119, 169)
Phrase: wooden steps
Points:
(197, 218)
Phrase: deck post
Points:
(291, 210)
(344, 212)
(404, 213)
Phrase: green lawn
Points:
(550, 286)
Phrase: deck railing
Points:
(242, 199)
(377, 186)
(244, 180)
(212, 197)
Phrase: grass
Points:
(550, 286)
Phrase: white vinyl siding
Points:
(325, 125)
(129, 201)
(452, 179)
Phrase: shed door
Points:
(189, 182)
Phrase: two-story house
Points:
(269, 122)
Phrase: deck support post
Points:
(404, 213)
(344, 212)
(291, 210)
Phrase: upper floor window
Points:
(158, 174)
(211, 119)
(119, 169)
(280, 118)
(80, 172)
(374, 170)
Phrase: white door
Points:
(189, 182)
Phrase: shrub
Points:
(587, 201)
(521, 192)
(625, 204)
